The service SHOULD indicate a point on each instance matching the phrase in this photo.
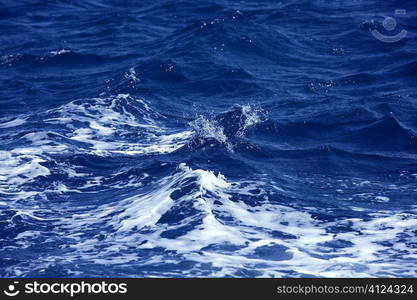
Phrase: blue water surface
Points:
(208, 138)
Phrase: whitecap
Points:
(293, 238)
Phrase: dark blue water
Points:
(208, 138)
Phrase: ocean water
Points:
(208, 138)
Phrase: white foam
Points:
(13, 123)
(131, 75)
(59, 52)
(208, 128)
(226, 220)
(109, 121)
(18, 169)
(251, 115)
(382, 198)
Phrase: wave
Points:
(63, 58)
(228, 126)
(198, 216)
(211, 139)
(108, 125)
(386, 134)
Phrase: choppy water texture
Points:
(207, 138)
